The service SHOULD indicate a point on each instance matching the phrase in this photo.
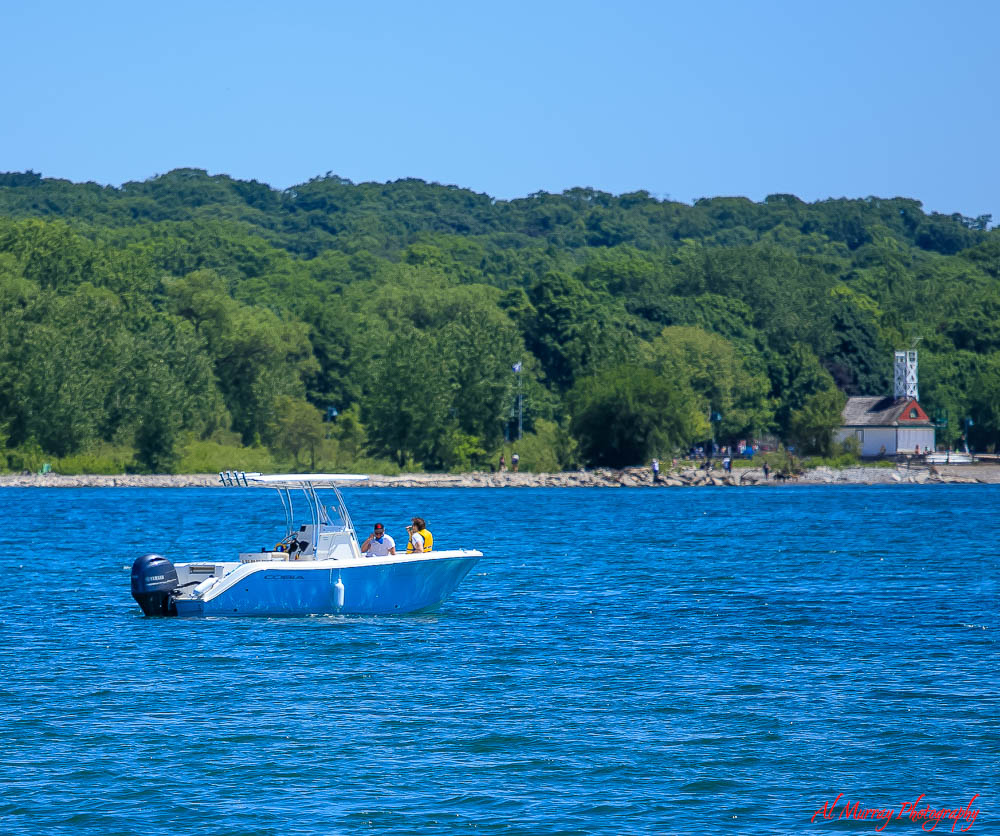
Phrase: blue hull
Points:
(304, 589)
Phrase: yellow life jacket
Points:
(428, 540)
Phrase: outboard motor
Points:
(153, 579)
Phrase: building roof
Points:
(884, 412)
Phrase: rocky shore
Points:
(600, 478)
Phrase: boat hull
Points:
(332, 587)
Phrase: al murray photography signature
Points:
(927, 817)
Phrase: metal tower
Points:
(905, 375)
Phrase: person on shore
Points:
(515, 460)
(767, 472)
(421, 540)
(656, 471)
(503, 463)
(727, 464)
(378, 544)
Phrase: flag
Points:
(516, 367)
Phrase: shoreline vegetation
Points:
(190, 323)
(634, 477)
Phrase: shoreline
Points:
(600, 478)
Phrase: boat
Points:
(316, 569)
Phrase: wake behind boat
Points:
(317, 568)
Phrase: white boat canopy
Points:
(304, 478)
(308, 483)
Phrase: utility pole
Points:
(520, 424)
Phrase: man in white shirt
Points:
(378, 544)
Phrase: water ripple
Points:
(622, 661)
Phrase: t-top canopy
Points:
(305, 478)
(287, 481)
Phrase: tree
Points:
(259, 358)
(408, 408)
(795, 377)
(157, 434)
(947, 380)
(349, 434)
(297, 425)
(549, 448)
(717, 373)
(479, 348)
(626, 414)
(572, 332)
(856, 357)
(984, 404)
(811, 428)
(201, 297)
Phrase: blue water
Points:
(623, 661)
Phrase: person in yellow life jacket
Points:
(421, 540)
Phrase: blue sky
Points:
(684, 100)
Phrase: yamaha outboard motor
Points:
(153, 579)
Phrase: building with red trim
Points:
(887, 426)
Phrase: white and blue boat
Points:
(317, 568)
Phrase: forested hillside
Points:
(194, 321)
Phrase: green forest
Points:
(191, 323)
